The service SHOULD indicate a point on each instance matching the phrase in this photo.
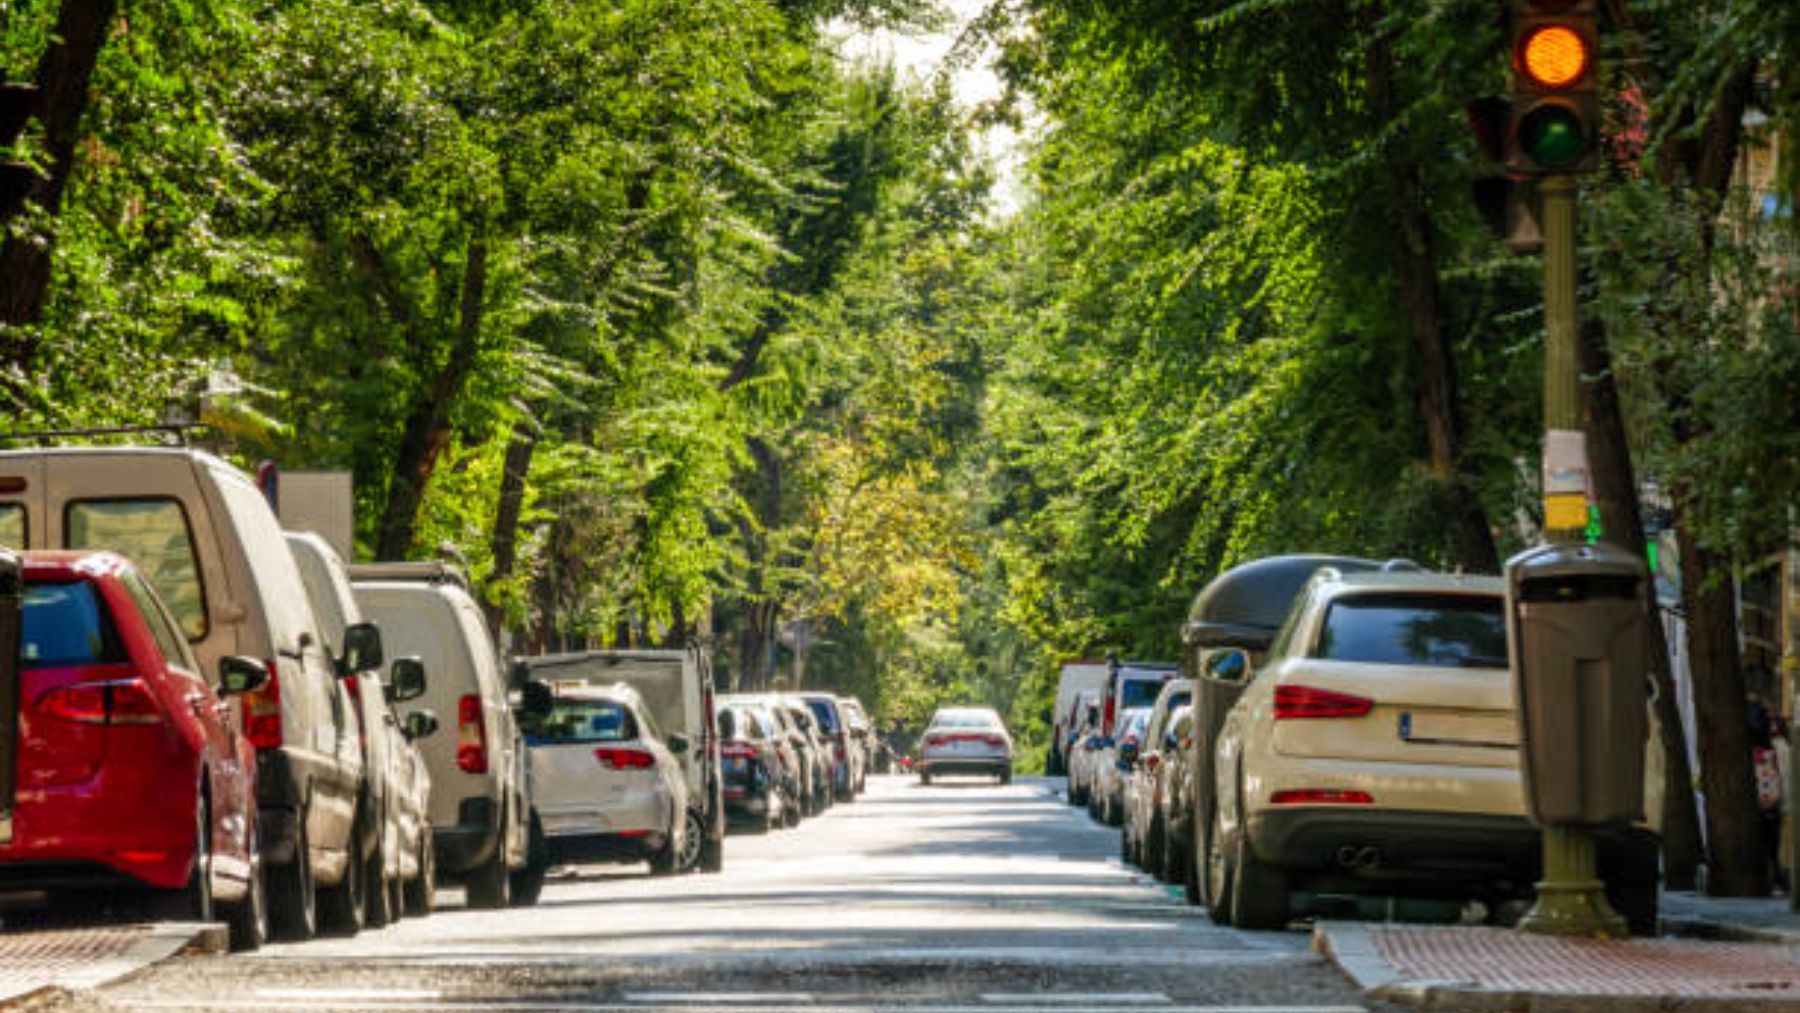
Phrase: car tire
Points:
(1127, 854)
(790, 813)
(693, 845)
(1150, 849)
(1259, 892)
(248, 919)
(924, 777)
(341, 906)
(1192, 878)
(1218, 875)
(1174, 860)
(192, 902)
(379, 910)
(421, 893)
(293, 900)
(489, 885)
(1006, 775)
(528, 882)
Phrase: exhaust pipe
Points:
(1352, 857)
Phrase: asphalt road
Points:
(958, 896)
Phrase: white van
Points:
(203, 534)
(484, 831)
(677, 690)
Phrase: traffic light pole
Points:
(1571, 899)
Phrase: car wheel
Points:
(1127, 855)
(293, 902)
(1191, 876)
(528, 883)
(693, 840)
(1174, 860)
(924, 777)
(194, 901)
(249, 918)
(1151, 848)
(378, 893)
(421, 892)
(489, 886)
(1259, 894)
(790, 813)
(1218, 875)
(341, 906)
(1006, 775)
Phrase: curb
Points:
(1351, 948)
(1730, 932)
(159, 943)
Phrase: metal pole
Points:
(11, 618)
(1792, 801)
(1571, 899)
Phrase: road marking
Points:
(358, 994)
(1048, 1005)
(1094, 999)
(713, 998)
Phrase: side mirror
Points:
(362, 649)
(420, 725)
(678, 743)
(536, 699)
(1227, 664)
(239, 675)
(406, 680)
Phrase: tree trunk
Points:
(427, 431)
(62, 81)
(1471, 539)
(1621, 516)
(513, 471)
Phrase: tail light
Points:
(625, 759)
(1106, 724)
(1321, 796)
(1293, 702)
(262, 711)
(934, 740)
(471, 735)
(740, 751)
(1153, 761)
(124, 702)
(350, 683)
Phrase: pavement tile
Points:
(38, 962)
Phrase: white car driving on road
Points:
(965, 740)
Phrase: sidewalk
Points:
(36, 966)
(1719, 955)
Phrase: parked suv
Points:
(1143, 834)
(202, 534)
(1375, 751)
(846, 761)
(484, 831)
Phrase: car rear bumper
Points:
(111, 830)
(635, 812)
(966, 765)
(634, 847)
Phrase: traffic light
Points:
(1556, 97)
(1508, 204)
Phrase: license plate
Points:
(1484, 731)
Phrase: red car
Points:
(132, 770)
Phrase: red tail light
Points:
(471, 735)
(740, 751)
(934, 740)
(262, 711)
(124, 702)
(1321, 796)
(353, 686)
(1153, 761)
(625, 759)
(1307, 702)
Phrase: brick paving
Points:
(1506, 960)
(72, 958)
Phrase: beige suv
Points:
(1375, 753)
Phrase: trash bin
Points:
(1577, 630)
(11, 600)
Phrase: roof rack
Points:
(415, 573)
(178, 430)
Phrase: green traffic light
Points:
(1553, 136)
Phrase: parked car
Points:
(1177, 815)
(1076, 683)
(1084, 740)
(131, 771)
(677, 690)
(609, 785)
(203, 536)
(418, 850)
(1375, 751)
(485, 833)
(390, 806)
(793, 772)
(751, 765)
(814, 750)
(1131, 685)
(1106, 799)
(845, 763)
(965, 740)
(862, 738)
(1142, 835)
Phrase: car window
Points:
(168, 639)
(65, 624)
(154, 535)
(1135, 722)
(576, 720)
(1442, 631)
(826, 714)
(1140, 692)
(1283, 644)
(12, 525)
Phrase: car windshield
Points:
(1444, 631)
(64, 624)
(1140, 692)
(581, 720)
(1135, 720)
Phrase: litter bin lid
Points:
(1549, 562)
(1245, 605)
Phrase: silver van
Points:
(484, 831)
(204, 535)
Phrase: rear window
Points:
(12, 525)
(966, 719)
(1140, 693)
(65, 624)
(1437, 631)
(577, 721)
(153, 534)
(826, 713)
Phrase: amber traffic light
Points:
(1556, 109)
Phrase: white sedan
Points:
(965, 740)
(607, 783)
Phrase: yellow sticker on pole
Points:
(1563, 511)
